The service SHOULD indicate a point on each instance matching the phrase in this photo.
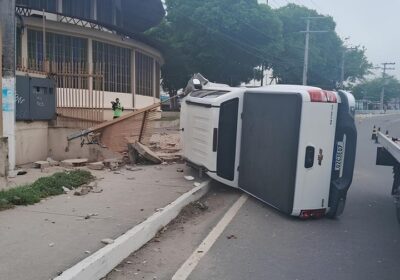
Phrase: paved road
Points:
(364, 243)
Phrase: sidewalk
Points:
(39, 241)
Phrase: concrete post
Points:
(7, 23)
(133, 78)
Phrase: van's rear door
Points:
(269, 147)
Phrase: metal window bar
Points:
(78, 105)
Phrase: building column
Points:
(90, 64)
(8, 26)
(154, 81)
(133, 78)
(24, 48)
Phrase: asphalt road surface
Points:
(260, 243)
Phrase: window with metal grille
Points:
(60, 49)
(158, 79)
(78, 8)
(114, 63)
(144, 74)
(47, 5)
(35, 50)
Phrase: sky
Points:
(374, 25)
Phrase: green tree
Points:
(222, 39)
(371, 90)
(325, 51)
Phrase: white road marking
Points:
(191, 263)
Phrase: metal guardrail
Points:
(391, 146)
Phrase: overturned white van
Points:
(292, 147)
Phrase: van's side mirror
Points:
(197, 84)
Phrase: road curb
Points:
(107, 258)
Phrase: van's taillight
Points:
(317, 95)
(315, 213)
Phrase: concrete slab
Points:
(74, 162)
(74, 225)
(99, 165)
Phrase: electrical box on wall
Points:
(35, 99)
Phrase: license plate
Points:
(339, 156)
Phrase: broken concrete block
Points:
(107, 241)
(113, 163)
(41, 164)
(66, 190)
(52, 162)
(21, 172)
(96, 165)
(74, 162)
(82, 191)
(145, 152)
(189, 178)
(92, 185)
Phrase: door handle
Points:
(309, 158)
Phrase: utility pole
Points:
(7, 24)
(307, 44)
(384, 69)
(345, 49)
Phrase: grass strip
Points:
(43, 187)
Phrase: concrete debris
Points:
(107, 241)
(52, 162)
(82, 191)
(164, 163)
(76, 162)
(179, 170)
(131, 168)
(91, 187)
(146, 153)
(41, 164)
(200, 205)
(189, 178)
(197, 184)
(113, 163)
(88, 216)
(96, 165)
(51, 244)
(232, 236)
(87, 252)
(170, 158)
(21, 172)
(66, 190)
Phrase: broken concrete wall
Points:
(59, 148)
